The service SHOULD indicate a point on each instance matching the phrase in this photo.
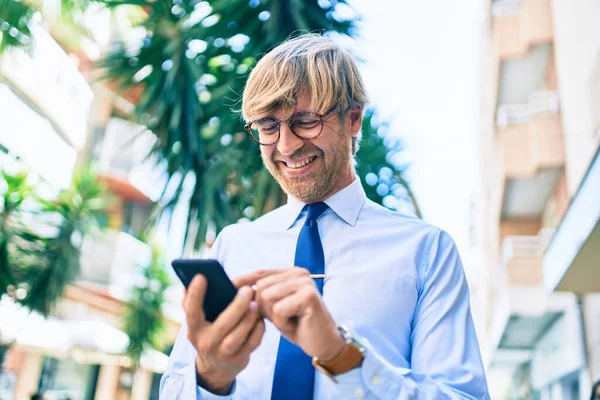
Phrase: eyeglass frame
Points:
(321, 116)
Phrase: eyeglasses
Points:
(305, 125)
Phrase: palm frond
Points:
(378, 169)
(54, 260)
(192, 66)
(15, 17)
(143, 320)
(15, 191)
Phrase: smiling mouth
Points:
(296, 164)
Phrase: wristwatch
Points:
(350, 357)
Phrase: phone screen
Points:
(220, 291)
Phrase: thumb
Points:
(194, 301)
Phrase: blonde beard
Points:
(321, 184)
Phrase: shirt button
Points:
(375, 380)
(359, 393)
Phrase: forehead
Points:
(302, 102)
(281, 107)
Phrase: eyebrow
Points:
(270, 116)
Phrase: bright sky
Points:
(422, 72)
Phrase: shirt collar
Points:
(346, 203)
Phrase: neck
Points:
(345, 180)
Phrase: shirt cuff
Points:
(190, 390)
(374, 378)
(203, 394)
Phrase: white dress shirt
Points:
(396, 281)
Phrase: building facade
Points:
(537, 209)
(52, 118)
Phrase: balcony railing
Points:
(518, 25)
(501, 8)
(522, 258)
(531, 136)
(537, 103)
(112, 259)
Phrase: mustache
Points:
(299, 154)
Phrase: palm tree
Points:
(192, 66)
(16, 191)
(15, 17)
(380, 174)
(143, 320)
(77, 210)
(39, 238)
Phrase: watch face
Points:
(349, 338)
(345, 332)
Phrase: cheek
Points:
(266, 152)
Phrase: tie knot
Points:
(315, 210)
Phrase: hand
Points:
(290, 300)
(224, 346)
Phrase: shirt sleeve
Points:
(445, 359)
(179, 379)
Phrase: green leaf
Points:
(143, 319)
(50, 262)
(15, 17)
(228, 173)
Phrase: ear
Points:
(354, 119)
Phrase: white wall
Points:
(27, 134)
(577, 44)
(591, 310)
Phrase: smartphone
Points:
(220, 291)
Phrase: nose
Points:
(288, 142)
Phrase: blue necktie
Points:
(294, 374)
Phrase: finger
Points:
(251, 278)
(254, 338)
(283, 275)
(232, 315)
(232, 343)
(267, 297)
(194, 300)
(292, 306)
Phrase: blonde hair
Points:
(309, 62)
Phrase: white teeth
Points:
(300, 164)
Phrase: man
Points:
(378, 300)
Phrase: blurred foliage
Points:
(16, 191)
(77, 211)
(143, 320)
(15, 17)
(40, 243)
(192, 65)
(191, 62)
(381, 175)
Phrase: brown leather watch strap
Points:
(351, 357)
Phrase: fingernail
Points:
(253, 306)
(246, 292)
